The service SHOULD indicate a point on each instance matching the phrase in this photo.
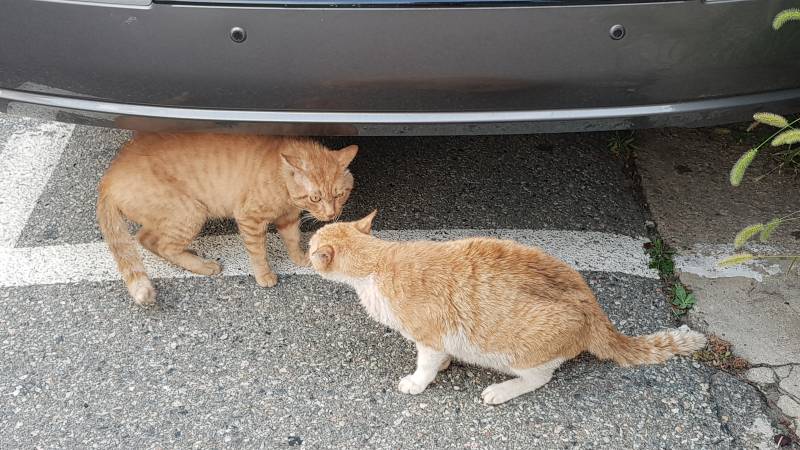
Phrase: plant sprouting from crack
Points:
(682, 301)
(661, 258)
(622, 145)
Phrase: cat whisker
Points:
(336, 219)
(306, 219)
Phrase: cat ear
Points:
(365, 225)
(345, 156)
(293, 162)
(322, 257)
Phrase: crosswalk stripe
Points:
(71, 263)
(26, 163)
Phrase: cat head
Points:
(331, 247)
(318, 179)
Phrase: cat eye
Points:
(314, 198)
(339, 195)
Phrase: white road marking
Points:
(73, 263)
(26, 163)
(29, 157)
(702, 259)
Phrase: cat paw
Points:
(143, 292)
(301, 261)
(498, 393)
(408, 385)
(445, 364)
(210, 267)
(267, 279)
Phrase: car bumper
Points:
(157, 118)
(409, 70)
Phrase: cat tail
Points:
(123, 249)
(608, 343)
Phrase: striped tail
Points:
(608, 343)
(123, 249)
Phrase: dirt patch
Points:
(685, 178)
(718, 354)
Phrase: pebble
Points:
(791, 384)
(760, 375)
(789, 407)
(783, 371)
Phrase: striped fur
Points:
(171, 184)
(493, 303)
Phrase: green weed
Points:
(682, 301)
(661, 258)
(622, 145)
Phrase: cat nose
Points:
(329, 211)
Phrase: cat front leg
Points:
(254, 235)
(289, 229)
(429, 363)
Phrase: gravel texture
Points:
(224, 363)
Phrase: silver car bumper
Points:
(158, 118)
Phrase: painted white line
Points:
(702, 261)
(26, 163)
(72, 263)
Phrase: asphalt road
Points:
(223, 363)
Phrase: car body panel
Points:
(407, 63)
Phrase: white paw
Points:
(143, 292)
(408, 385)
(496, 394)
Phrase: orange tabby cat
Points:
(171, 184)
(484, 301)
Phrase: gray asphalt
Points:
(539, 182)
(222, 363)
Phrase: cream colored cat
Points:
(171, 184)
(488, 302)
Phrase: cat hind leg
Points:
(172, 246)
(528, 380)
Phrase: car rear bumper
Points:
(416, 70)
(158, 118)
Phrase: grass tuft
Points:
(745, 234)
(738, 170)
(784, 16)
(735, 260)
(774, 120)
